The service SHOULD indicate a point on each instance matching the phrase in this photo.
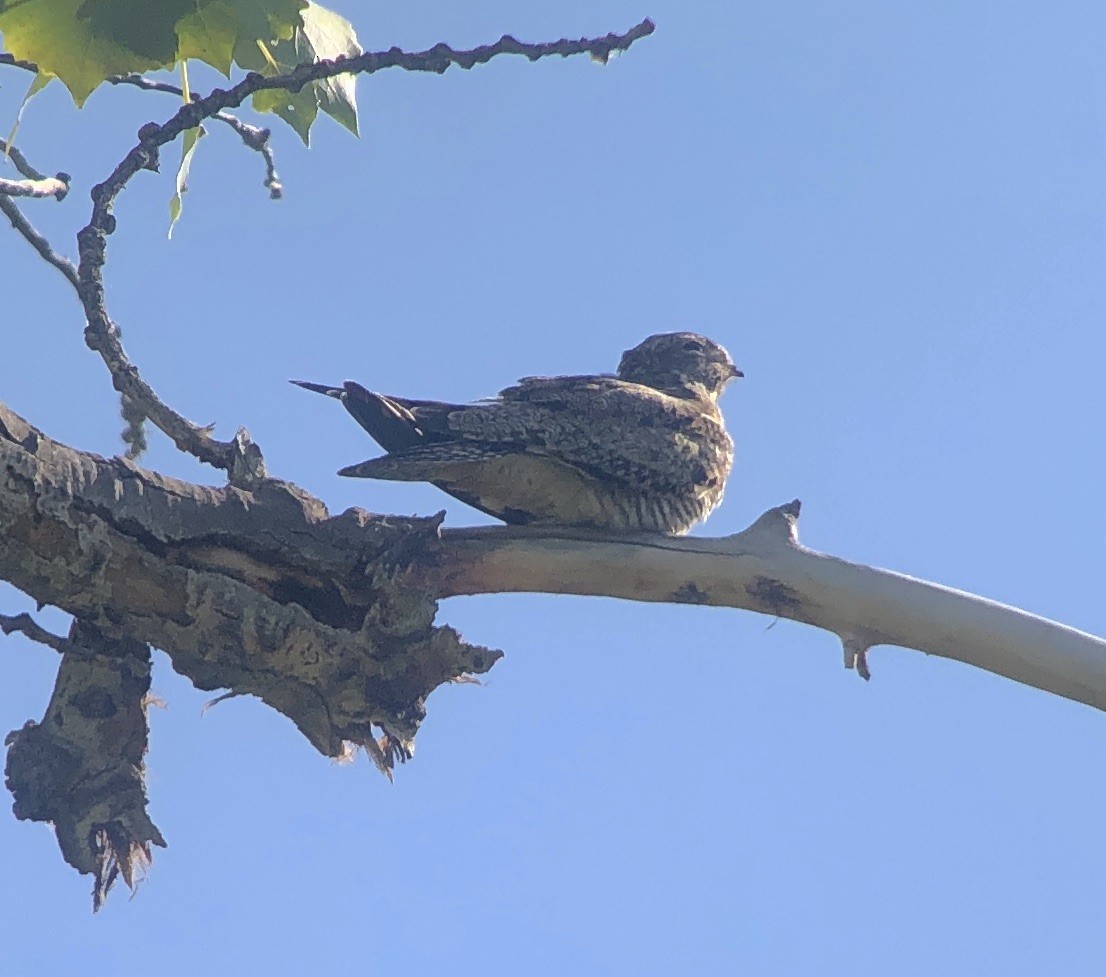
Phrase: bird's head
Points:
(684, 364)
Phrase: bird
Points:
(642, 451)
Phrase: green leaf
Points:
(264, 20)
(322, 34)
(208, 34)
(191, 139)
(39, 82)
(147, 29)
(53, 35)
(298, 109)
(85, 42)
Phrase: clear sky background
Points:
(894, 216)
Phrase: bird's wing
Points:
(424, 462)
(606, 428)
(598, 426)
(536, 388)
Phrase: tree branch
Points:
(82, 769)
(329, 620)
(48, 186)
(30, 628)
(38, 242)
(274, 555)
(261, 593)
(240, 458)
(765, 569)
(14, 62)
(255, 138)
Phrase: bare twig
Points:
(38, 242)
(26, 625)
(35, 184)
(254, 137)
(48, 186)
(19, 161)
(240, 458)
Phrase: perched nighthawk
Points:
(645, 450)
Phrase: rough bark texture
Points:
(82, 767)
(257, 592)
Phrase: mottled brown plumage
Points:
(645, 450)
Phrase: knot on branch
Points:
(247, 466)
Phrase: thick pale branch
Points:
(330, 620)
(765, 569)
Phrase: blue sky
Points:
(895, 219)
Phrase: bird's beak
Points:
(735, 373)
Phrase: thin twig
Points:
(20, 161)
(36, 184)
(38, 242)
(254, 137)
(26, 625)
(240, 458)
(49, 186)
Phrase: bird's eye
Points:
(693, 345)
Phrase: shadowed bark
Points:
(258, 592)
(82, 767)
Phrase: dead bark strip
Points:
(82, 768)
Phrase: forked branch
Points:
(240, 458)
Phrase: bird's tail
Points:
(391, 424)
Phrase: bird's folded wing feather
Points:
(602, 426)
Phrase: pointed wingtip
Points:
(319, 388)
(355, 471)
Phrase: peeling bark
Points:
(82, 768)
(257, 592)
